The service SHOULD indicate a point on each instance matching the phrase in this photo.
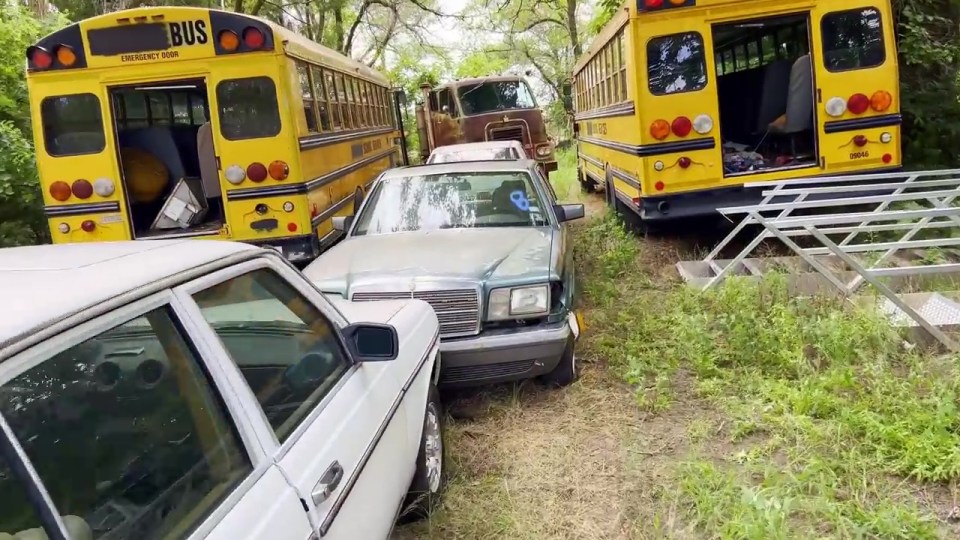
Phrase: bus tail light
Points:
(82, 189)
(228, 40)
(235, 174)
(65, 55)
(39, 57)
(681, 126)
(858, 103)
(253, 37)
(703, 124)
(88, 225)
(887, 158)
(279, 170)
(881, 100)
(60, 190)
(684, 162)
(104, 187)
(836, 106)
(659, 186)
(860, 141)
(886, 137)
(256, 172)
(64, 228)
(288, 207)
(660, 129)
(652, 4)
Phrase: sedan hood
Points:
(481, 255)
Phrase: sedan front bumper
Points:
(512, 354)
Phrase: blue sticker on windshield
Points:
(519, 199)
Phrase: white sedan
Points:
(478, 151)
(199, 389)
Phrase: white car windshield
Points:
(451, 201)
(474, 154)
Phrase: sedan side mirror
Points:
(372, 342)
(342, 223)
(568, 212)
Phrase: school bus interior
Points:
(765, 91)
(166, 152)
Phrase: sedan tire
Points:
(431, 476)
(567, 371)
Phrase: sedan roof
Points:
(41, 285)
(503, 165)
(484, 145)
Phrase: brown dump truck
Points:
(486, 109)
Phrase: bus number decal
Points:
(859, 155)
(188, 33)
(600, 128)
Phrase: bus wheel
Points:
(611, 195)
(632, 220)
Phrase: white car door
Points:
(331, 424)
(135, 434)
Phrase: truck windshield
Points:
(495, 96)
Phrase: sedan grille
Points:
(458, 310)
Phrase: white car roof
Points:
(40, 285)
(476, 146)
(502, 165)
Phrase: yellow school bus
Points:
(682, 104)
(170, 122)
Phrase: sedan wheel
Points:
(430, 477)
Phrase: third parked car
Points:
(486, 244)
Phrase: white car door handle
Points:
(328, 483)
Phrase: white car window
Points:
(475, 154)
(286, 349)
(126, 432)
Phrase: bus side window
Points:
(320, 94)
(306, 91)
(332, 97)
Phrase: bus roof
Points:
(293, 43)
(608, 31)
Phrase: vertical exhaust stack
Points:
(427, 125)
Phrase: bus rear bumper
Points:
(295, 248)
(705, 203)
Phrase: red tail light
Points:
(60, 190)
(253, 38)
(860, 140)
(88, 225)
(40, 58)
(292, 227)
(858, 103)
(279, 170)
(653, 4)
(256, 172)
(681, 126)
(887, 158)
(684, 162)
(659, 186)
(82, 189)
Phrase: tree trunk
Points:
(572, 28)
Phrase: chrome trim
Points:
(612, 111)
(368, 452)
(391, 289)
(886, 120)
(625, 176)
(325, 179)
(19, 459)
(80, 209)
(331, 211)
(324, 139)
(591, 161)
(531, 336)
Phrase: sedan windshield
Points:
(451, 201)
(496, 96)
(473, 154)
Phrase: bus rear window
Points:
(248, 108)
(72, 125)
(852, 39)
(676, 63)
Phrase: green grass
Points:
(740, 413)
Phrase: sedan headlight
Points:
(514, 302)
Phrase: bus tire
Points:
(632, 220)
